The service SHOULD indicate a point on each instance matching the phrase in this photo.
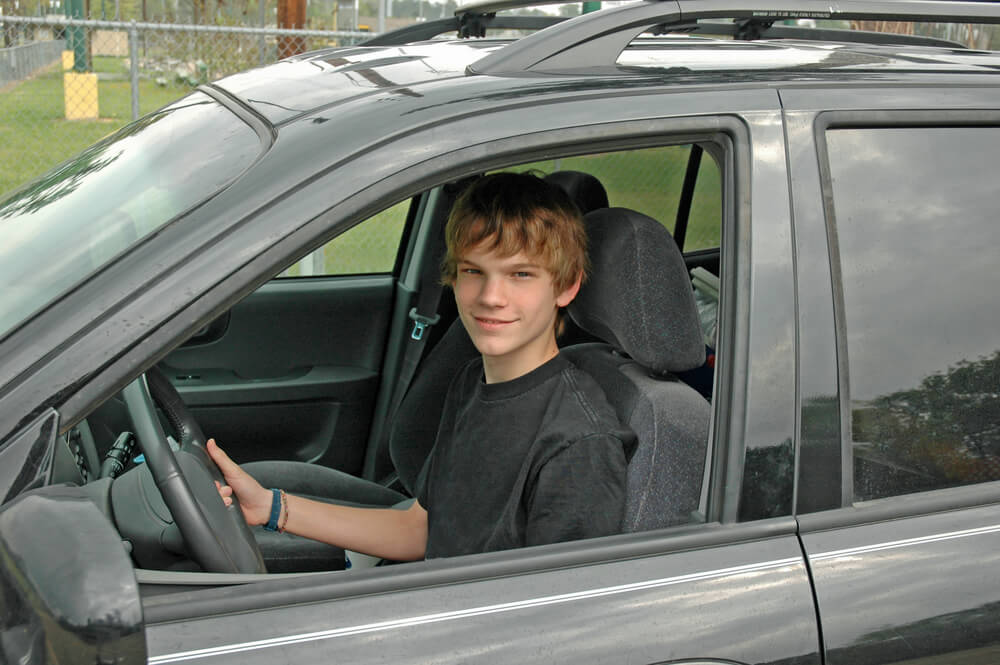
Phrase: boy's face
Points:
(508, 305)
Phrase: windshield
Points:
(59, 230)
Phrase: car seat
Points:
(640, 302)
(411, 437)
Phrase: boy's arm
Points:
(388, 533)
(579, 492)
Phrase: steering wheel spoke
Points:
(216, 536)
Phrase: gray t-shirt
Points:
(540, 459)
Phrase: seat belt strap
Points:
(424, 317)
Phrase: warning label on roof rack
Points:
(786, 13)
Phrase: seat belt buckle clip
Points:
(421, 323)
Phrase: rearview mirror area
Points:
(67, 588)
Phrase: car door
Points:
(731, 585)
(898, 478)
(292, 371)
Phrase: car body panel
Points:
(913, 587)
(871, 561)
(684, 605)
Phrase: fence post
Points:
(262, 21)
(133, 56)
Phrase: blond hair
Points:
(518, 212)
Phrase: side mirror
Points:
(68, 592)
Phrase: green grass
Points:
(650, 181)
(34, 133)
(35, 136)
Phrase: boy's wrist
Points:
(277, 517)
(274, 511)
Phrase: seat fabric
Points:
(585, 190)
(640, 300)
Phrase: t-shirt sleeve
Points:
(579, 492)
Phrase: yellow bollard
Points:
(67, 60)
(80, 95)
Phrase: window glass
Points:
(57, 231)
(705, 223)
(650, 181)
(917, 230)
(369, 247)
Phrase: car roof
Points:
(311, 81)
(306, 83)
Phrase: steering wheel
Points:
(216, 536)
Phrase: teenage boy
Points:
(528, 450)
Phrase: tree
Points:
(946, 430)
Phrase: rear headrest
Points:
(638, 297)
(585, 190)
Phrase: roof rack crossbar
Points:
(595, 40)
(834, 35)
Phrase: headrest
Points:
(638, 297)
(585, 190)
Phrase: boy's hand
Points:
(255, 501)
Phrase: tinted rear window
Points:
(917, 231)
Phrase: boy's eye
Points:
(523, 274)
(469, 271)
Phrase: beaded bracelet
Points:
(284, 520)
(276, 501)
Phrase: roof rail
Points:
(465, 24)
(595, 40)
(751, 29)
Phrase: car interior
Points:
(330, 385)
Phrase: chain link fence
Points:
(66, 83)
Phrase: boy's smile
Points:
(508, 305)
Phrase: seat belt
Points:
(424, 316)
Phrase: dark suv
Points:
(816, 482)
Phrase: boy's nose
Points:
(493, 293)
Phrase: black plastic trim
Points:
(260, 125)
(687, 195)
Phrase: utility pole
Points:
(291, 16)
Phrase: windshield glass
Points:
(59, 230)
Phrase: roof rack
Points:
(751, 29)
(465, 24)
(595, 40)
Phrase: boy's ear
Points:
(566, 297)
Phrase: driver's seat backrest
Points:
(639, 300)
